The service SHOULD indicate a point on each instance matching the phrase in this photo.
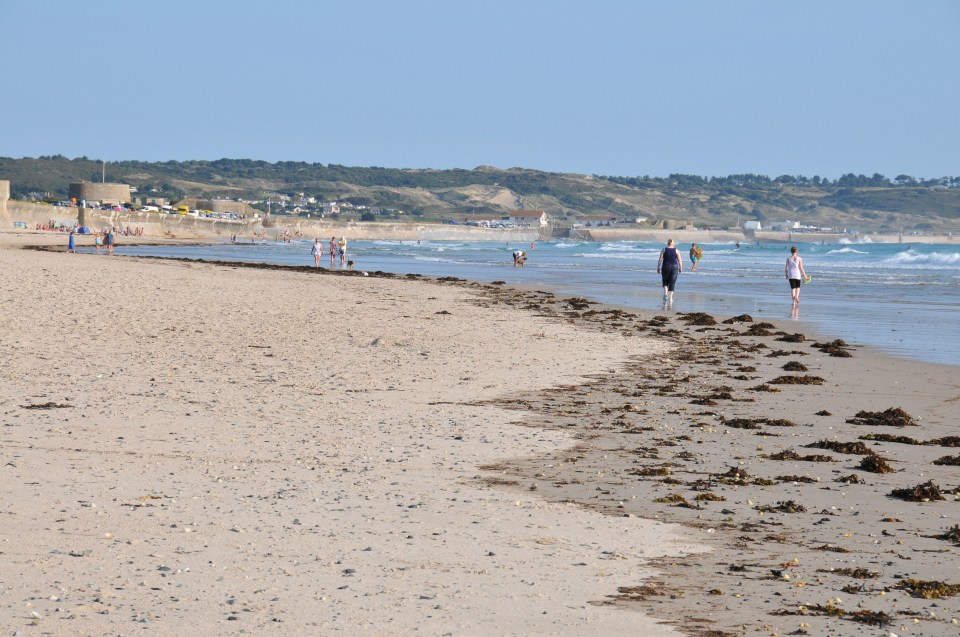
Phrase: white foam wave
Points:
(846, 242)
(936, 258)
(847, 251)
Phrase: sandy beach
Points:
(206, 448)
(196, 449)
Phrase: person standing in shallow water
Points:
(317, 252)
(669, 267)
(794, 271)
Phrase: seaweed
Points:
(849, 479)
(48, 405)
(777, 353)
(951, 535)
(852, 448)
(757, 329)
(794, 366)
(698, 318)
(651, 472)
(673, 498)
(709, 497)
(792, 338)
(766, 388)
(788, 506)
(790, 454)
(835, 348)
(892, 417)
(802, 479)
(823, 412)
(924, 492)
(746, 368)
(743, 318)
(737, 474)
(948, 461)
(946, 441)
(904, 440)
(875, 464)
(869, 617)
(857, 573)
(928, 589)
(755, 423)
(797, 380)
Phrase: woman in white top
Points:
(317, 252)
(794, 272)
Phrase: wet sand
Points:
(282, 437)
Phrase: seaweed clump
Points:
(759, 329)
(797, 380)
(836, 348)
(698, 318)
(794, 366)
(792, 338)
(904, 440)
(852, 448)
(875, 464)
(743, 318)
(788, 506)
(892, 417)
(948, 461)
(790, 454)
(928, 589)
(926, 492)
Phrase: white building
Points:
(751, 225)
(528, 218)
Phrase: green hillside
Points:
(853, 201)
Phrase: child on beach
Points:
(794, 271)
(696, 253)
(72, 243)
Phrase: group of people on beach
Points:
(337, 249)
(670, 266)
(102, 240)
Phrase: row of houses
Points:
(515, 218)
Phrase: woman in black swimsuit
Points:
(669, 266)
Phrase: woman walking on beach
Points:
(333, 251)
(794, 271)
(317, 252)
(669, 266)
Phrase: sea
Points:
(900, 298)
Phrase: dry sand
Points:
(195, 449)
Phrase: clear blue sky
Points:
(611, 86)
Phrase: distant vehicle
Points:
(452, 222)
(183, 210)
(150, 209)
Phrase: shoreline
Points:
(636, 418)
(185, 227)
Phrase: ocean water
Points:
(904, 299)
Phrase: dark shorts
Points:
(794, 283)
(669, 277)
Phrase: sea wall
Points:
(661, 236)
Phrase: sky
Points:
(610, 87)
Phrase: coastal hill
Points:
(856, 202)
